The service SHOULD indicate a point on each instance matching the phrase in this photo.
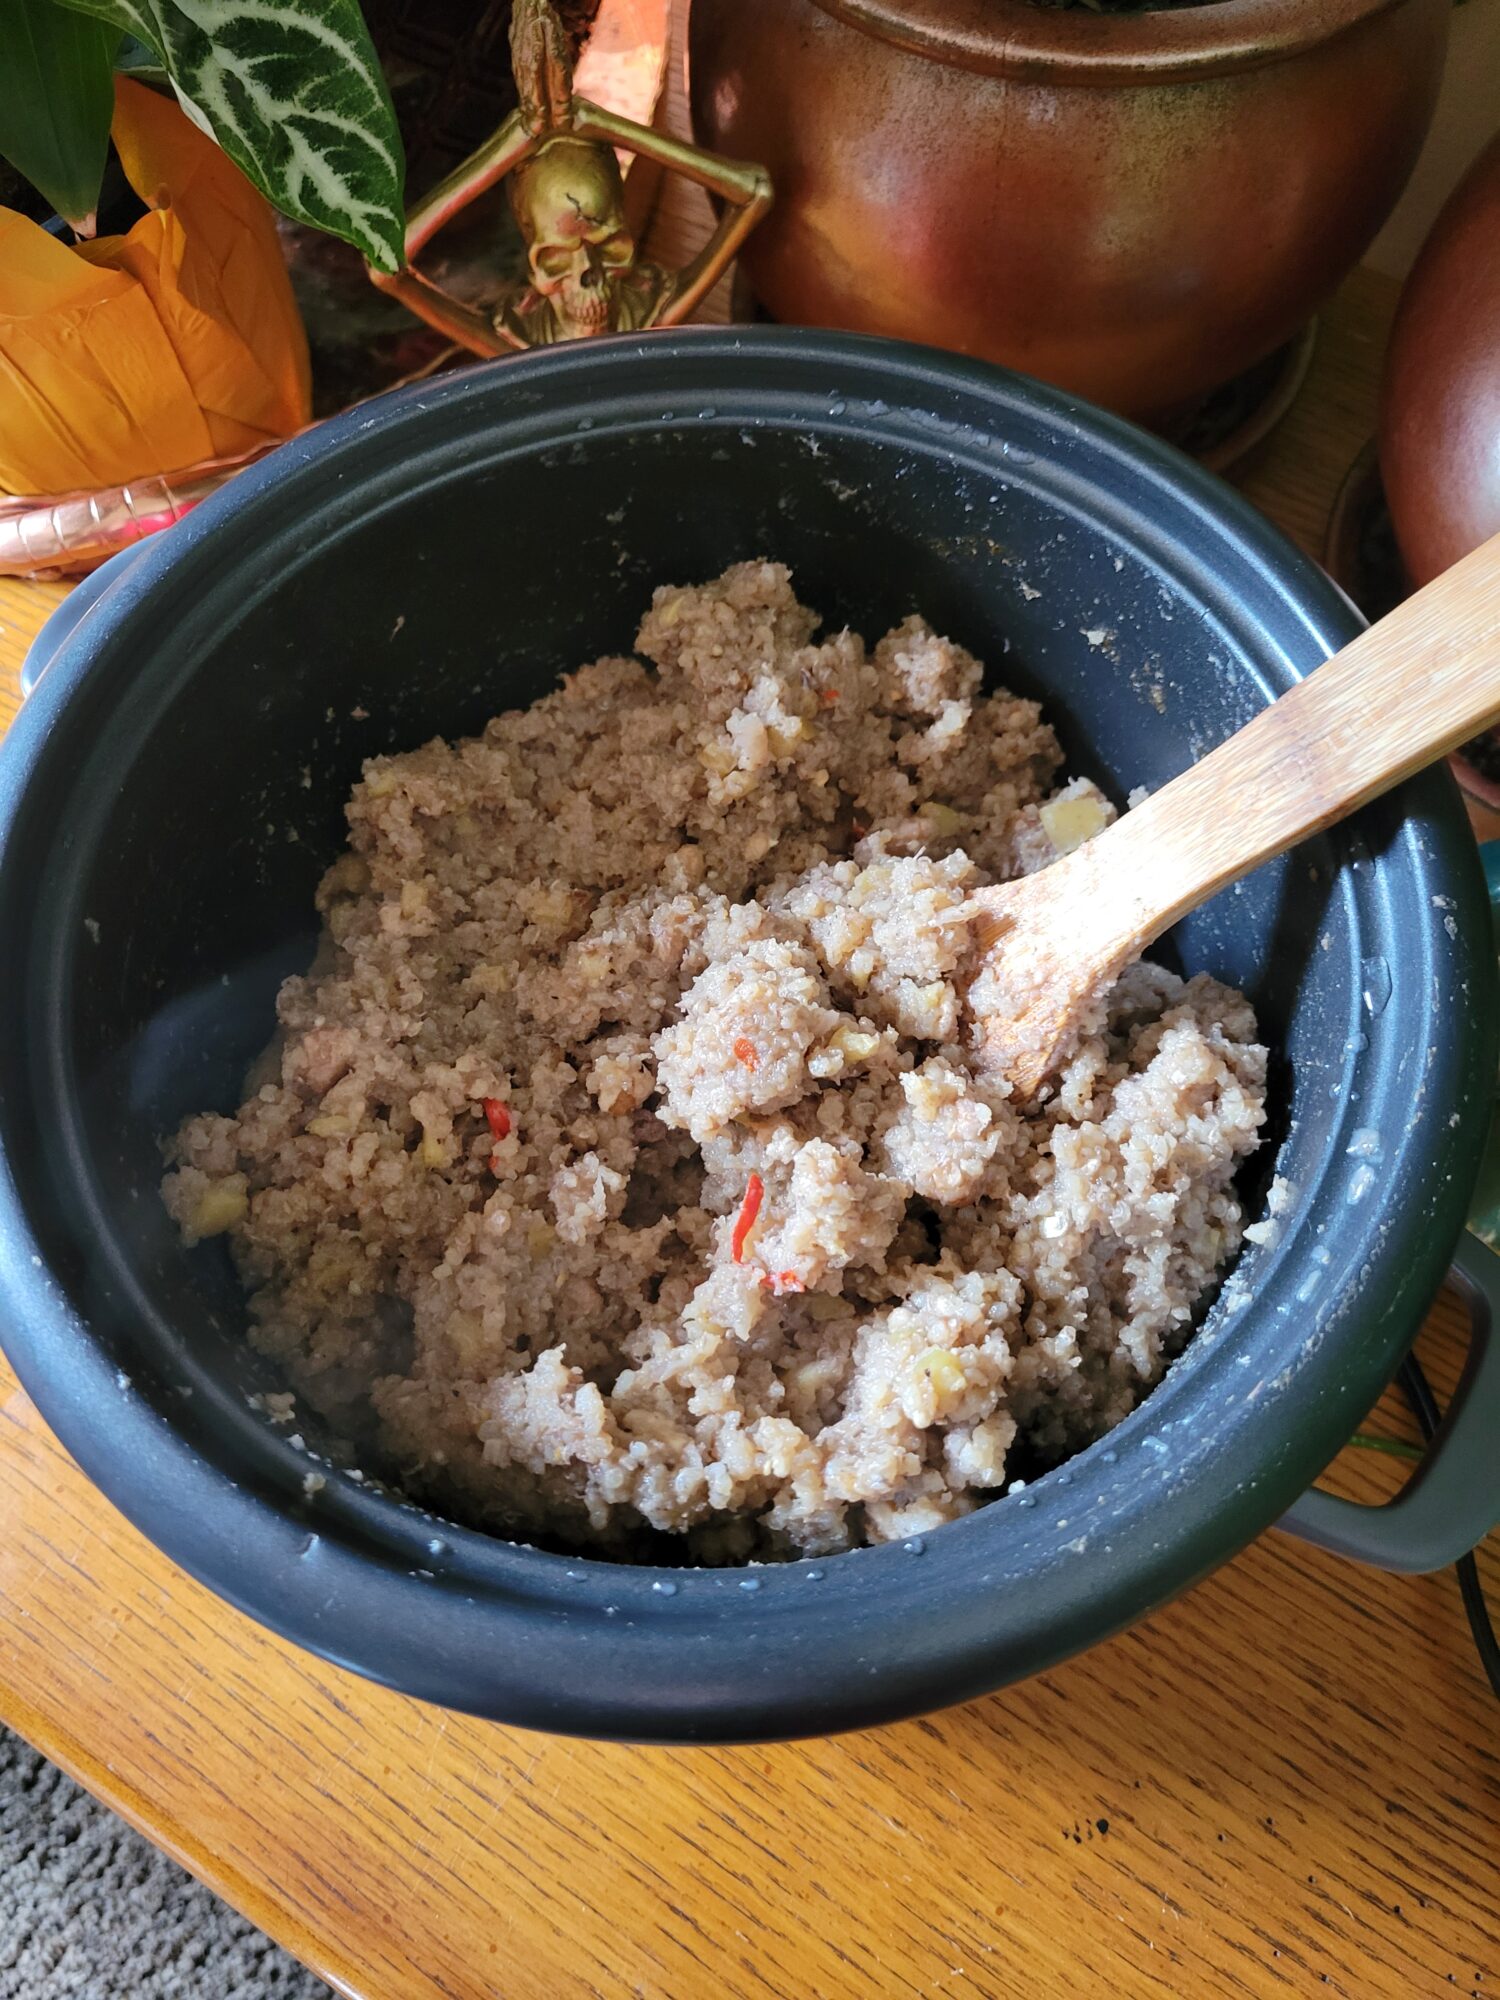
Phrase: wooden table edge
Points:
(235, 1886)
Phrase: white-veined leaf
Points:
(294, 93)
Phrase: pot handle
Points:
(1452, 1500)
(74, 608)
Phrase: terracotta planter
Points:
(1440, 399)
(1360, 553)
(1440, 407)
(1134, 206)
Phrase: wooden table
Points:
(1283, 1783)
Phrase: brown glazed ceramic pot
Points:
(1440, 407)
(1135, 206)
(1440, 400)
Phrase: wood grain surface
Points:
(1284, 1783)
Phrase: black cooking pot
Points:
(173, 790)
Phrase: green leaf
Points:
(56, 98)
(293, 91)
(122, 14)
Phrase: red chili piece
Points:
(498, 1116)
(744, 1052)
(778, 1283)
(755, 1194)
(829, 697)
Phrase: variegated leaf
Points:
(293, 92)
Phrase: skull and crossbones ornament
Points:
(557, 154)
(570, 202)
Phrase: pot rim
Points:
(582, 1646)
(1018, 38)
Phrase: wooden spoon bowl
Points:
(1403, 694)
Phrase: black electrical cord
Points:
(1418, 1392)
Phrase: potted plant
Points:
(163, 394)
(1135, 201)
(137, 367)
(170, 343)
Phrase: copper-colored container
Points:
(1136, 206)
(1440, 399)
(1440, 408)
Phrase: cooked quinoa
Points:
(623, 1161)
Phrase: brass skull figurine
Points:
(557, 152)
(570, 202)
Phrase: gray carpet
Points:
(90, 1911)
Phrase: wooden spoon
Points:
(1401, 695)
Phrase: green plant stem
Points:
(1393, 1447)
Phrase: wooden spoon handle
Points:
(1401, 695)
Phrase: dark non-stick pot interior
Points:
(176, 790)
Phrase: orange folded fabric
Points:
(152, 351)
